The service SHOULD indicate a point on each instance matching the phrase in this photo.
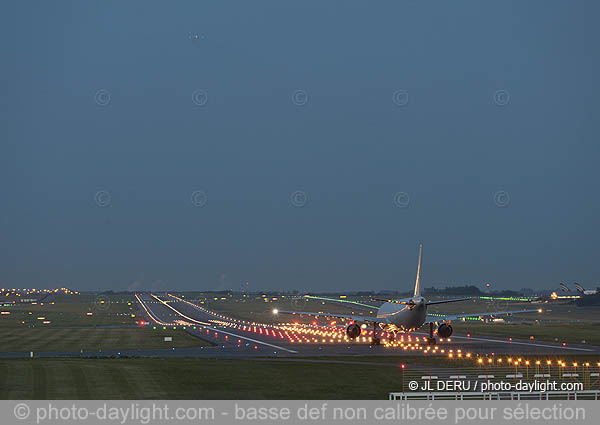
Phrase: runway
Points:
(236, 338)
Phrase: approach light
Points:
(275, 311)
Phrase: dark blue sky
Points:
(484, 113)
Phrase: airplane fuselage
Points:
(404, 317)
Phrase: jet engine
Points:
(444, 330)
(353, 331)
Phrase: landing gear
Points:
(375, 340)
(431, 340)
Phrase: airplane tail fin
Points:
(564, 287)
(418, 281)
(579, 288)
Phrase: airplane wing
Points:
(439, 317)
(355, 318)
(448, 301)
(428, 302)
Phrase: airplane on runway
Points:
(405, 315)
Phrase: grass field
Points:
(191, 379)
(91, 339)
(73, 310)
(136, 378)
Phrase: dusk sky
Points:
(310, 145)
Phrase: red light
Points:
(142, 323)
(403, 366)
(510, 339)
(469, 335)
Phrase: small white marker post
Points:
(31, 354)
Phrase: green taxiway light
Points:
(507, 298)
(337, 300)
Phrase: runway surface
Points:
(237, 338)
